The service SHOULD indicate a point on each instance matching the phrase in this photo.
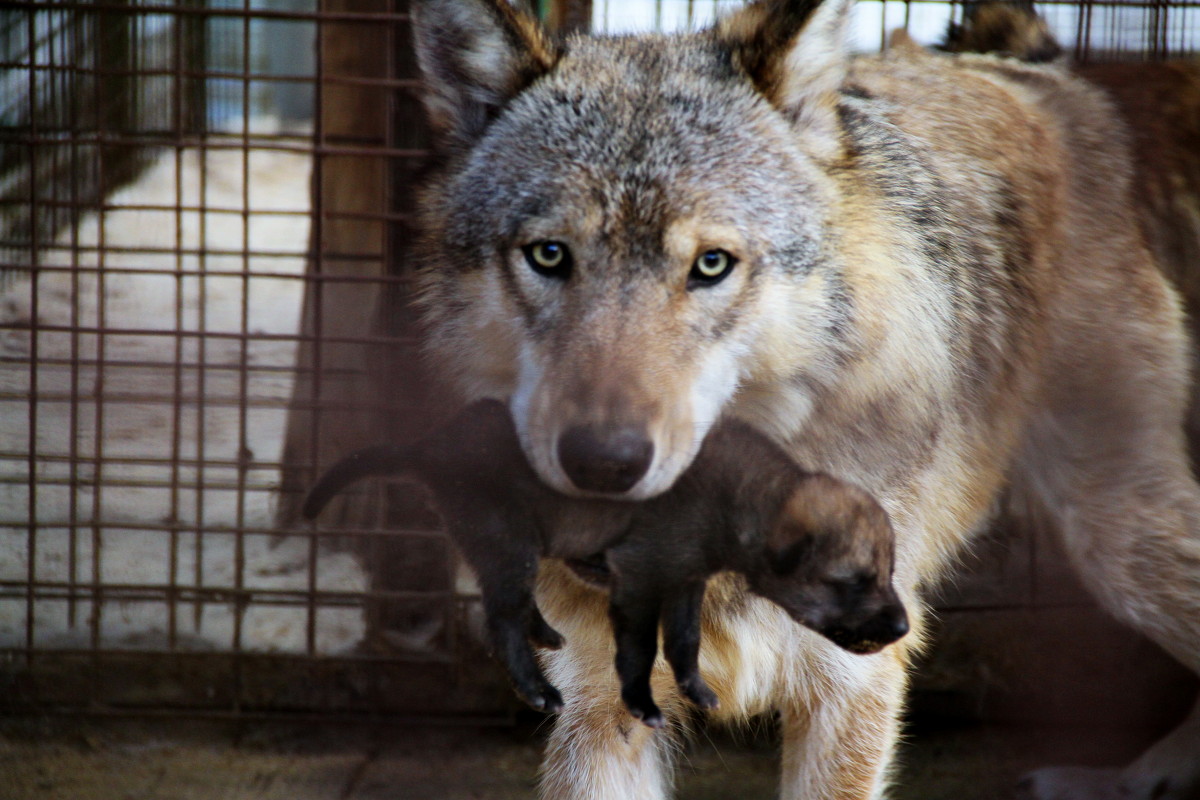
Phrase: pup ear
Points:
(796, 52)
(475, 56)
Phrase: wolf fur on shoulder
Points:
(919, 273)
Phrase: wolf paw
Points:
(1082, 783)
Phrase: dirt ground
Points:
(128, 759)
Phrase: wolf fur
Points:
(1160, 104)
(820, 549)
(939, 291)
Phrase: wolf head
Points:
(1006, 27)
(608, 237)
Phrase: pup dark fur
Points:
(821, 549)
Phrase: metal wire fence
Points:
(204, 206)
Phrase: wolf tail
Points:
(383, 459)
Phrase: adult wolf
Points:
(918, 273)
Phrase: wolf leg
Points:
(839, 747)
(597, 750)
(1128, 511)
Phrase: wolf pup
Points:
(920, 274)
(820, 549)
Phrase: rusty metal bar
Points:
(570, 16)
(213, 74)
(31, 466)
(186, 10)
(317, 240)
(320, 530)
(219, 142)
(75, 356)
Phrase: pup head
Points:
(828, 562)
(607, 240)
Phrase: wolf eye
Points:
(548, 258)
(710, 268)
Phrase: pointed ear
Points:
(475, 56)
(796, 53)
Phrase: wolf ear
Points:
(796, 53)
(475, 55)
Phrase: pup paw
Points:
(641, 706)
(541, 696)
(695, 689)
(542, 635)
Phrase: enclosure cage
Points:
(204, 210)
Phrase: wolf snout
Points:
(888, 625)
(603, 458)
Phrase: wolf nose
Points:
(598, 458)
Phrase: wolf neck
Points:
(908, 288)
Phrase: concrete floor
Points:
(90, 759)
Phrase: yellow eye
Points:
(548, 258)
(711, 267)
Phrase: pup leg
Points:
(681, 643)
(511, 618)
(540, 632)
(635, 616)
(838, 745)
(506, 566)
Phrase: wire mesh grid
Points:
(203, 211)
(172, 239)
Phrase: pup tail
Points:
(384, 459)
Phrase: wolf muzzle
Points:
(604, 458)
